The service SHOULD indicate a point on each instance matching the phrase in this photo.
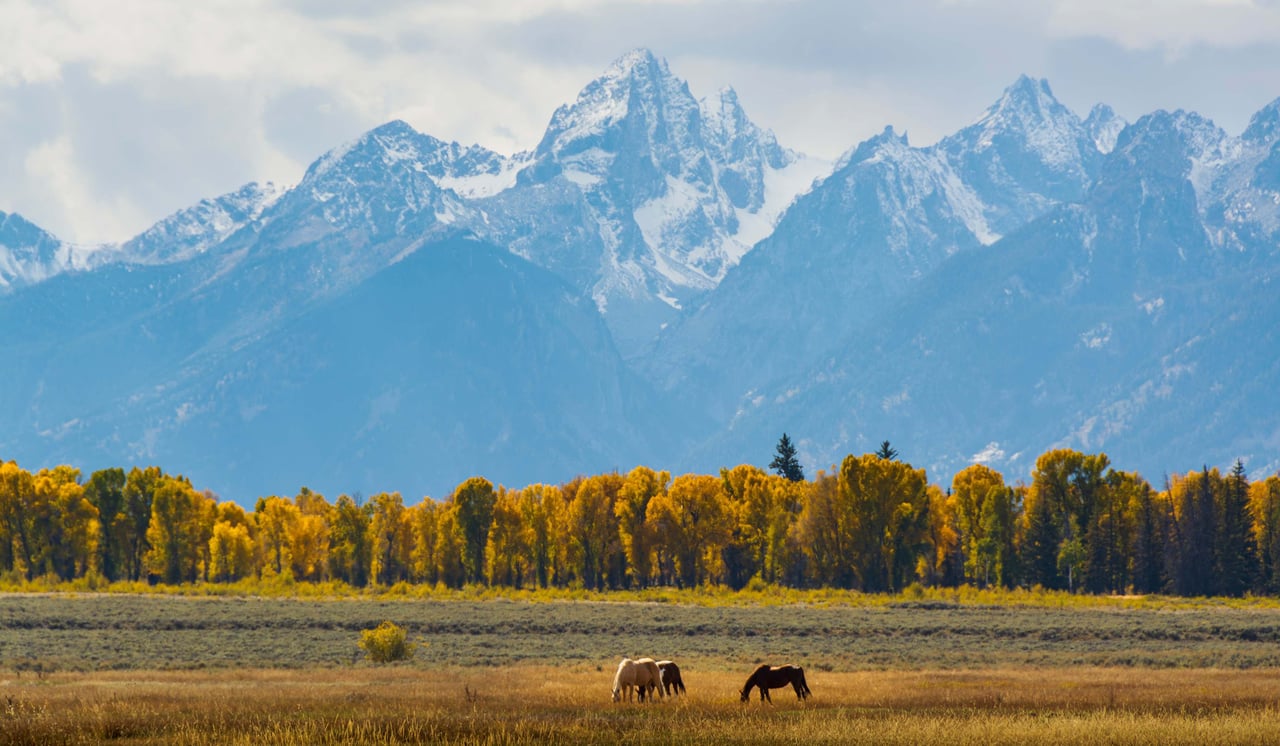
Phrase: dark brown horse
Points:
(671, 681)
(774, 677)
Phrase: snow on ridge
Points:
(782, 186)
(477, 186)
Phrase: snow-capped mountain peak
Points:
(1027, 110)
(1104, 126)
(1026, 153)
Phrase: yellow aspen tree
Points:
(275, 518)
(231, 552)
(555, 501)
(825, 530)
(19, 516)
(134, 521)
(746, 489)
(391, 538)
(424, 518)
(888, 502)
(105, 490)
(312, 537)
(539, 509)
(71, 522)
(1264, 507)
(941, 564)
(175, 530)
(593, 529)
(969, 490)
(449, 547)
(473, 501)
(782, 549)
(507, 555)
(696, 521)
(638, 488)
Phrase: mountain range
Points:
(660, 281)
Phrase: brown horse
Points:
(774, 677)
(671, 682)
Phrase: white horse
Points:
(642, 673)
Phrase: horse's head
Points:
(745, 693)
(616, 695)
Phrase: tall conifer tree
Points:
(785, 463)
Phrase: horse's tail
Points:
(804, 685)
(679, 683)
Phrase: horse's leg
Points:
(764, 694)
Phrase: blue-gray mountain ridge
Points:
(659, 281)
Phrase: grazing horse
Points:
(642, 674)
(672, 684)
(767, 677)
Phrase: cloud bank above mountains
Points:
(118, 115)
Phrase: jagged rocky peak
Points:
(1028, 115)
(1104, 126)
(636, 106)
(733, 133)
(19, 234)
(1025, 154)
(743, 149)
(1264, 127)
(193, 230)
(886, 144)
(28, 253)
(1172, 136)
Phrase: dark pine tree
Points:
(1235, 558)
(1149, 530)
(786, 463)
(1196, 534)
(1040, 550)
(886, 452)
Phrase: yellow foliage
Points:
(386, 644)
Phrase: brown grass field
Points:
(884, 675)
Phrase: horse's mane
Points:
(617, 677)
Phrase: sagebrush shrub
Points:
(386, 643)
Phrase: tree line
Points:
(872, 523)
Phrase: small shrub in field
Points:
(386, 644)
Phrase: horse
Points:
(642, 673)
(672, 684)
(772, 677)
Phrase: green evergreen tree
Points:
(1040, 549)
(785, 463)
(1195, 537)
(1149, 531)
(1235, 556)
(886, 451)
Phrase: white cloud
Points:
(1172, 26)
(54, 165)
(991, 453)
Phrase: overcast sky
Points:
(117, 113)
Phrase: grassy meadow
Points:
(143, 669)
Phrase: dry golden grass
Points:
(530, 704)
